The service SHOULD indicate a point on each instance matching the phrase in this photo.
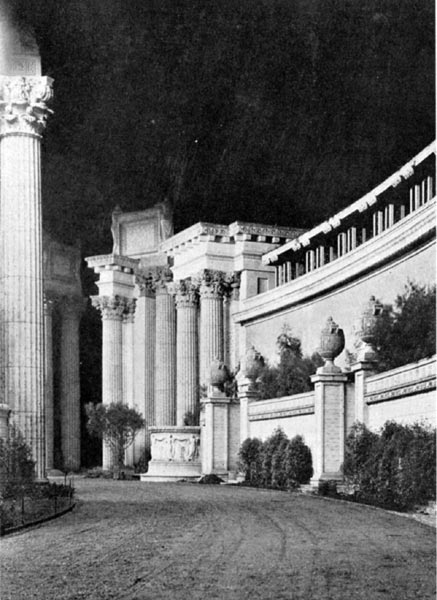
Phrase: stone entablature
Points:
(402, 238)
(227, 234)
(405, 192)
(112, 262)
(411, 379)
(280, 408)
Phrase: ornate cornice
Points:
(23, 108)
(186, 293)
(111, 307)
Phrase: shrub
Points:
(16, 464)
(393, 469)
(298, 462)
(250, 460)
(278, 462)
(272, 445)
(142, 465)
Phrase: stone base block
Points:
(162, 470)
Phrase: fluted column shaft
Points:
(112, 309)
(145, 353)
(212, 289)
(165, 358)
(187, 361)
(71, 310)
(22, 117)
(128, 374)
(49, 401)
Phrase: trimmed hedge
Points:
(394, 468)
(276, 463)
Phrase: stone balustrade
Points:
(402, 194)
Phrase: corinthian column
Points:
(128, 370)
(49, 406)
(145, 353)
(112, 309)
(187, 360)
(23, 114)
(212, 289)
(71, 311)
(165, 358)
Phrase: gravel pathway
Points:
(136, 541)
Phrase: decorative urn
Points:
(331, 345)
(253, 364)
(218, 374)
(369, 319)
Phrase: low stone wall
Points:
(293, 414)
(324, 417)
(406, 394)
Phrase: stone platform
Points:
(175, 454)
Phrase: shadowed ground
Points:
(131, 540)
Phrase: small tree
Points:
(292, 374)
(117, 424)
(406, 333)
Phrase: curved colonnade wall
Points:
(172, 304)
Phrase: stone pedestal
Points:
(187, 361)
(246, 394)
(23, 114)
(175, 454)
(165, 358)
(329, 408)
(220, 435)
(362, 370)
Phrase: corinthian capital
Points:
(186, 293)
(23, 107)
(111, 307)
(162, 277)
(212, 283)
(146, 284)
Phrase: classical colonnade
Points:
(186, 327)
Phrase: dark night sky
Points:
(270, 111)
